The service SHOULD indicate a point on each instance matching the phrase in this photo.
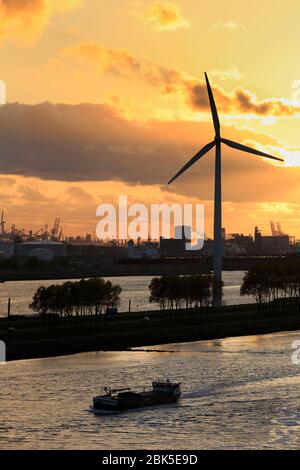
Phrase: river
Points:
(134, 288)
(238, 393)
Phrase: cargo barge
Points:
(118, 400)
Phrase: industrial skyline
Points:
(55, 232)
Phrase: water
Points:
(238, 393)
(135, 288)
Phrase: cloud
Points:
(232, 73)
(87, 142)
(78, 216)
(240, 100)
(63, 160)
(116, 61)
(121, 63)
(229, 25)
(4, 181)
(80, 195)
(165, 16)
(27, 19)
(75, 205)
(29, 193)
(80, 143)
(71, 32)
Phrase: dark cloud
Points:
(93, 143)
(81, 142)
(238, 101)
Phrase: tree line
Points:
(178, 292)
(274, 284)
(84, 297)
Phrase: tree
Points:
(177, 292)
(274, 283)
(89, 296)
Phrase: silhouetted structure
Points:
(217, 251)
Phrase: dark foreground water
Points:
(134, 288)
(237, 393)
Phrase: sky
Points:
(108, 98)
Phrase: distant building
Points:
(238, 245)
(271, 245)
(6, 250)
(42, 249)
(183, 231)
(88, 238)
(279, 245)
(147, 250)
(172, 247)
(43, 254)
(176, 247)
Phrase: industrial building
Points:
(42, 249)
(145, 250)
(171, 247)
(6, 250)
(276, 244)
(176, 247)
(269, 245)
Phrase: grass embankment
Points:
(35, 337)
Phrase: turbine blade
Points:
(213, 107)
(244, 148)
(193, 160)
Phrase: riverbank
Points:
(133, 267)
(36, 338)
(110, 270)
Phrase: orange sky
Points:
(137, 67)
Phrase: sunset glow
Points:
(90, 114)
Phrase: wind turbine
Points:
(217, 247)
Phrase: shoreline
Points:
(127, 331)
(134, 267)
(117, 270)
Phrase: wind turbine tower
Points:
(217, 247)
